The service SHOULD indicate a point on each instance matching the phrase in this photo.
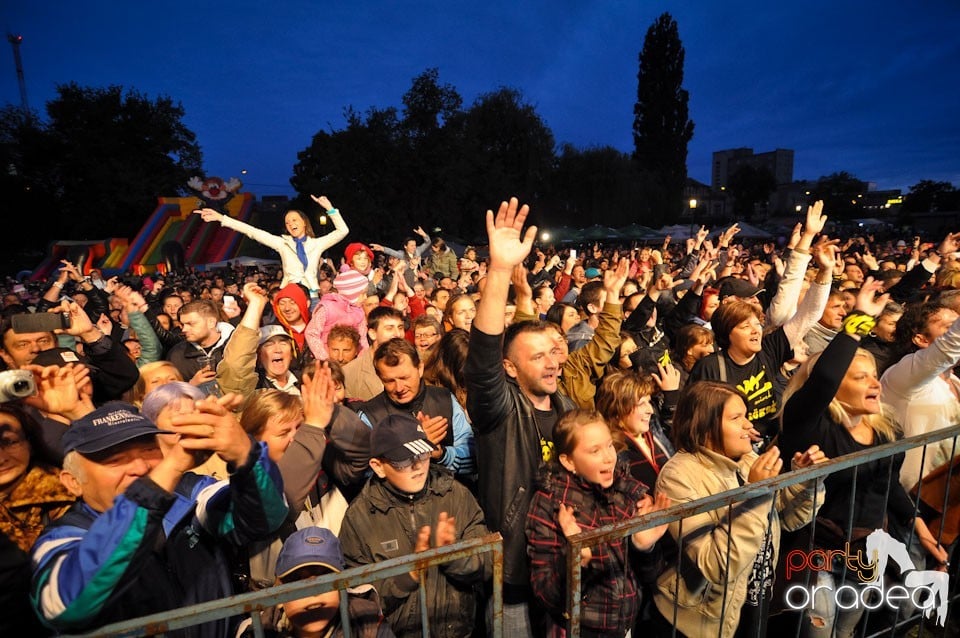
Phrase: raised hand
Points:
(80, 324)
(111, 285)
(869, 260)
(825, 252)
(446, 530)
(104, 324)
(421, 544)
(615, 278)
(435, 427)
(253, 293)
(728, 235)
(212, 427)
(816, 220)
(319, 393)
(867, 300)
(59, 390)
(950, 244)
(795, 236)
(323, 202)
(507, 247)
(71, 270)
(521, 285)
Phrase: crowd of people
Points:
(173, 439)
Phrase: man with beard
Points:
(513, 400)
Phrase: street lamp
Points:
(693, 215)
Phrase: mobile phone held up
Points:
(39, 322)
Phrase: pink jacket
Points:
(334, 309)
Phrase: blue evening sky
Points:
(867, 87)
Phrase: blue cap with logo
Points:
(106, 427)
(310, 546)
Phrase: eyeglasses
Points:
(10, 441)
(406, 464)
(425, 335)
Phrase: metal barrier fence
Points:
(252, 603)
(727, 499)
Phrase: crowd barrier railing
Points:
(251, 603)
(592, 538)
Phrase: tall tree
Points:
(928, 195)
(360, 168)
(594, 184)
(841, 194)
(28, 186)
(661, 126)
(750, 186)
(428, 104)
(115, 152)
(428, 146)
(96, 165)
(504, 147)
(435, 166)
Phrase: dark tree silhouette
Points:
(841, 194)
(928, 195)
(661, 126)
(750, 186)
(95, 167)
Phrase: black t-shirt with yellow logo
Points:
(756, 379)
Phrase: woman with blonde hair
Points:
(834, 401)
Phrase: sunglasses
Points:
(406, 464)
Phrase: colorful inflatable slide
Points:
(172, 229)
(174, 221)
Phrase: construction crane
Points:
(15, 41)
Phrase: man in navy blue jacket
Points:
(146, 534)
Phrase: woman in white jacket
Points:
(300, 250)
(725, 576)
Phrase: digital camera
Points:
(16, 384)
